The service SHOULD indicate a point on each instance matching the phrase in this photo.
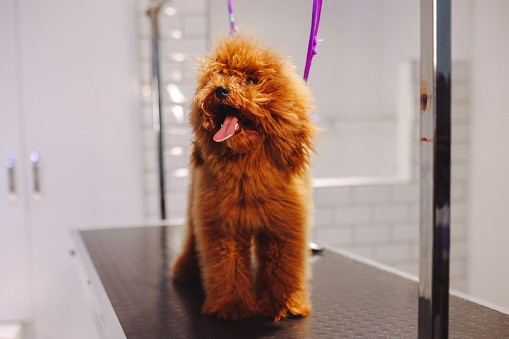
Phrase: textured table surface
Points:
(350, 299)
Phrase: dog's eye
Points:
(250, 80)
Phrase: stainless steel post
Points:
(435, 168)
(153, 13)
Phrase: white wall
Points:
(489, 181)
(78, 106)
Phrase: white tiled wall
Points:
(376, 221)
(184, 32)
(382, 221)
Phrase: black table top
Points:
(350, 299)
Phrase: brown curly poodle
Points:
(250, 183)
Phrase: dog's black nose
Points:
(222, 92)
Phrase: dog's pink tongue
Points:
(227, 129)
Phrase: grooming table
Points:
(128, 273)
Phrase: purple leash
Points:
(233, 27)
(313, 39)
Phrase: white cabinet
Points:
(70, 94)
(14, 274)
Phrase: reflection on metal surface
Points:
(435, 169)
(170, 11)
(146, 91)
(177, 150)
(176, 34)
(178, 57)
(175, 93)
(315, 248)
(153, 13)
(178, 112)
(181, 172)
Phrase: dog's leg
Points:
(282, 274)
(186, 267)
(227, 277)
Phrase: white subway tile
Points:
(171, 72)
(391, 252)
(322, 217)
(152, 204)
(460, 132)
(332, 196)
(458, 269)
(177, 136)
(367, 194)
(152, 215)
(168, 25)
(146, 96)
(460, 93)
(351, 215)
(334, 237)
(145, 48)
(149, 139)
(176, 161)
(405, 232)
(408, 192)
(177, 184)
(146, 117)
(391, 213)
(176, 215)
(364, 251)
(151, 184)
(172, 49)
(176, 202)
(196, 25)
(459, 212)
(460, 72)
(460, 153)
(459, 230)
(189, 5)
(460, 284)
(150, 162)
(460, 113)
(414, 212)
(371, 234)
(459, 250)
(414, 250)
(411, 268)
(145, 71)
(143, 5)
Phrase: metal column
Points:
(153, 13)
(435, 168)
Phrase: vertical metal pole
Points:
(435, 168)
(153, 13)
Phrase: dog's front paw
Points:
(234, 310)
(296, 306)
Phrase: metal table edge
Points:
(105, 312)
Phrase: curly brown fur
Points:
(249, 184)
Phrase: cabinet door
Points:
(14, 274)
(81, 117)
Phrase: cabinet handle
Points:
(36, 166)
(11, 180)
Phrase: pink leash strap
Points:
(313, 39)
